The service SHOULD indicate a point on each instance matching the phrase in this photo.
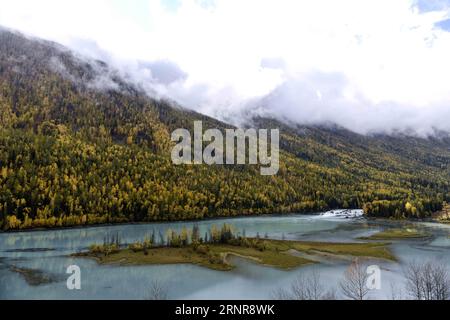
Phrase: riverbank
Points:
(397, 234)
(442, 216)
(435, 219)
(157, 222)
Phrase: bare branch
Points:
(354, 284)
(157, 291)
(304, 287)
(427, 281)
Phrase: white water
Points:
(343, 214)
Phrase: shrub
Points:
(105, 249)
(202, 249)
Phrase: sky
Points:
(368, 65)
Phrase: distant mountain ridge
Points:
(79, 144)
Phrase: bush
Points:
(141, 246)
(202, 249)
(136, 247)
(214, 258)
(105, 249)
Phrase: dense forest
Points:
(80, 145)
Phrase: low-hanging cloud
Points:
(369, 66)
(329, 98)
(165, 72)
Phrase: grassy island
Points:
(213, 250)
(397, 234)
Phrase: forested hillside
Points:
(79, 145)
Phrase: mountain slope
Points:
(81, 145)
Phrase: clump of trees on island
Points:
(225, 235)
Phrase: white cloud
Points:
(383, 59)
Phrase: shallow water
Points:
(47, 251)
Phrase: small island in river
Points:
(397, 234)
(214, 249)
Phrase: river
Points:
(46, 255)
